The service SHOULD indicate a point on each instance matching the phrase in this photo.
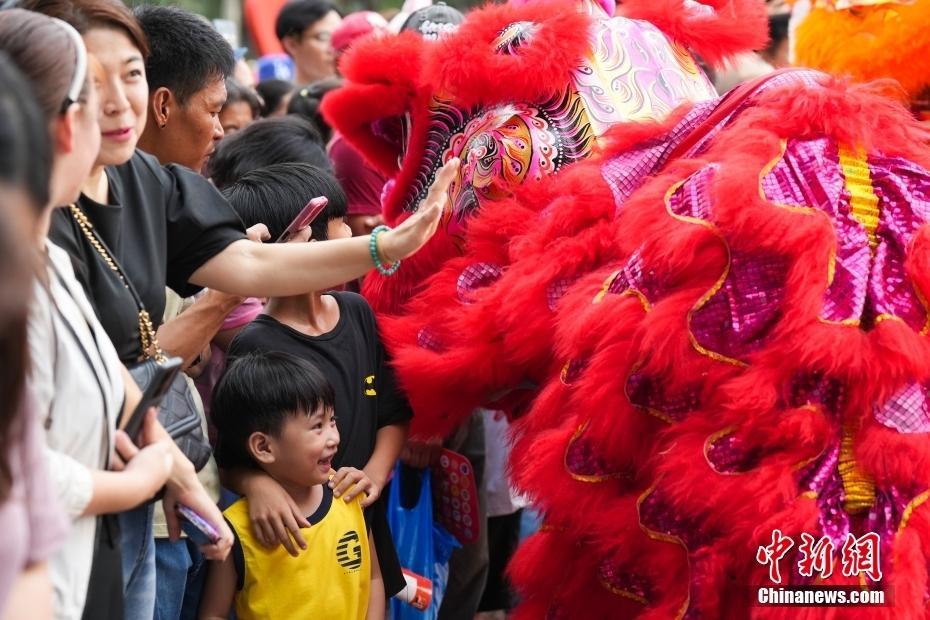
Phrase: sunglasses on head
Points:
(80, 66)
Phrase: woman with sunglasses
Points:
(77, 385)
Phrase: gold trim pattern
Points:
(859, 487)
(862, 199)
(716, 286)
(675, 540)
(708, 444)
(627, 292)
(623, 593)
(913, 505)
(585, 477)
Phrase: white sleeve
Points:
(72, 481)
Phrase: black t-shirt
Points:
(162, 224)
(352, 358)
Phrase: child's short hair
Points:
(274, 195)
(266, 141)
(257, 393)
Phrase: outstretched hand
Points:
(419, 228)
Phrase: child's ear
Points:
(260, 448)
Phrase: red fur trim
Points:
(395, 59)
(468, 69)
(732, 27)
(383, 75)
(568, 225)
(353, 108)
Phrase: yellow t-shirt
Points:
(330, 579)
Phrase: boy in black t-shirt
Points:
(336, 331)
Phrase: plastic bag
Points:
(423, 547)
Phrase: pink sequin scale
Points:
(903, 190)
(634, 276)
(651, 394)
(475, 277)
(907, 411)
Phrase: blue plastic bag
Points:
(422, 545)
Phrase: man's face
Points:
(313, 51)
(194, 128)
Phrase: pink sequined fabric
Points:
(582, 459)
(650, 394)
(738, 316)
(729, 454)
(903, 190)
(809, 177)
(475, 277)
(620, 581)
(427, 339)
(625, 173)
(634, 276)
(557, 289)
(907, 411)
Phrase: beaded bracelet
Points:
(373, 249)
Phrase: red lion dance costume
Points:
(707, 316)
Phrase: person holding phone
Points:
(76, 383)
(337, 332)
(167, 226)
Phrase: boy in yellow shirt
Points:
(274, 411)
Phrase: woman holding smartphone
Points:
(167, 226)
(77, 385)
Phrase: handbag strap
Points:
(147, 337)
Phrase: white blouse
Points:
(77, 389)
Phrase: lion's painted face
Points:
(593, 71)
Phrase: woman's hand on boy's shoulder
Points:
(349, 483)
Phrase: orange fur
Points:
(870, 43)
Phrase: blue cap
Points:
(275, 67)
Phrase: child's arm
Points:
(388, 444)
(272, 512)
(219, 590)
(376, 599)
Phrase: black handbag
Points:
(178, 412)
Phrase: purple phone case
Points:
(196, 527)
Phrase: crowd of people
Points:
(154, 198)
(114, 124)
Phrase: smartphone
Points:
(306, 216)
(198, 529)
(163, 376)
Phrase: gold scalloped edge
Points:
(656, 413)
(708, 444)
(716, 286)
(912, 505)
(623, 593)
(585, 477)
(805, 210)
(675, 540)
